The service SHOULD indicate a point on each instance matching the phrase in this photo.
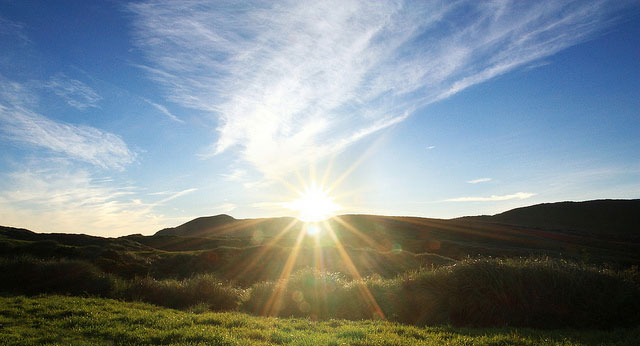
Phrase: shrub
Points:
(534, 293)
(307, 292)
(483, 292)
(27, 275)
(201, 289)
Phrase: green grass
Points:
(60, 320)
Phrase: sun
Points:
(313, 205)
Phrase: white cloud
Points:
(224, 208)
(235, 175)
(84, 143)
(304, 79)
(431, 147)
(74, 92)
(163, 110)
(480, 180)
(518, 195)
(63, 199)
(173, 195)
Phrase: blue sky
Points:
(120, 118)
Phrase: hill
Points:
(605, 231)
(252, 250)
(608, 219)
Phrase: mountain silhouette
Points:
(597, 232)
(615, 219)
(603, 218)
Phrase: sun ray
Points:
(266, 248)
(364, 290)
(354, 165)
(495, 231)
(273, 303)
(327, 171)
(359, 234)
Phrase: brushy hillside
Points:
(486, 292)
(57, 320)
(235, 259)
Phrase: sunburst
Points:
(313, 205)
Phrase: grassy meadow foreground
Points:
(59, 320)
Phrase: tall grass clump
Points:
(482, 292)
(526, 292)
(199, 290)
(307, 293)
(28, 275)
(319, 295)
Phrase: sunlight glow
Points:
(313, 205)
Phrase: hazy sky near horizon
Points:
(128, 117)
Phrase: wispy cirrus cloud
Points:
(85, 143)
(493, 198)
(14, 31)
(303, 79)
(76, 93)
(163, 110)
(57, 198)
(479, 180)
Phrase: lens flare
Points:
(313, 229)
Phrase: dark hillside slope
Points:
(604, 231)
(257, 249)
(226, 226)
(13, 235)
(612, 219)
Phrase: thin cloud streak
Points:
(163, 110)
(74, 92)
(305, 79)
(481, 180)
(84, 143)
(224, 208)
(493, 198)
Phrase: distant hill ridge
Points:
(602, 231)
(603, 218)
(198, 226)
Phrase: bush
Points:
(306, 293)
(533, 293)
(27, 275)
(474, 292)
(485, 292)
(198, 290)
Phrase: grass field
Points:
(60, 320)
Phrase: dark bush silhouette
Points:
(27, 275)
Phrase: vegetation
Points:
(365, 280)
(485, 292)
(482, 292)
(59, 320)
